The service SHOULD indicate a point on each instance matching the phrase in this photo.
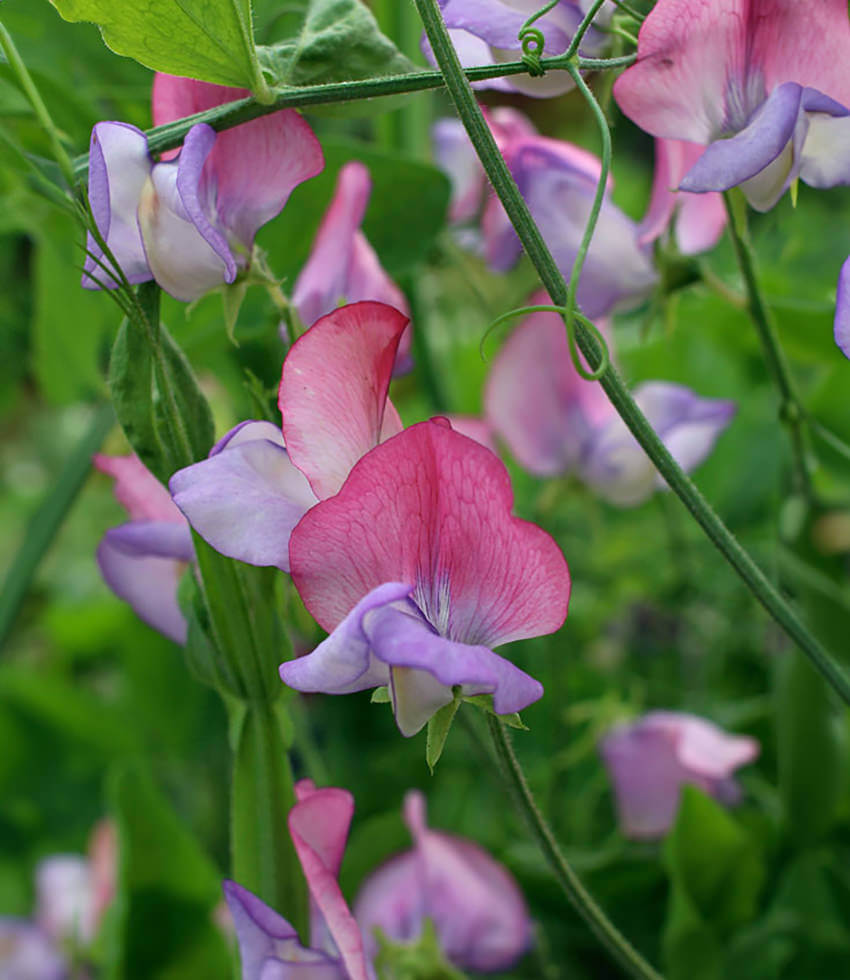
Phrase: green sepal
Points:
(422, 959)
(485, 702)
(438, 731)
(381, 695)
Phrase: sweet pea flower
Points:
(480, 917)
(417, 569)
(26, 953)
(268, 944)
(259, 480)
(761, 83)
(651, 759)
(698, 219)
(554, 422)
(558, 181)
(486, 32)
(142, 561)
(343, 266)
(189, 222)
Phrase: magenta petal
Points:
(268, 944)
(142, 563)
(245, 500)
(137, 489)
(319, 826)
(842, 310)
(392, 899)
(403, 640)
(118, 170)
(333, 392)
(456, 157)
(344, 663)
(432, 508)
(536, 400)
(650, 760)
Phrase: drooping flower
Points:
(651, 759)
(761, 83)
(142, 561)
(189, 222)
(259, 480)
(698, 219)
(487, 32)
(558, 181)
(343, 266)
(478, 912)
(268, 944)
(417, 570)
(554, 422)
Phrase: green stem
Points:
(48, 519)
(790, 409)
(28, 85)
(539, 254)
(263, 858)
(582, 901)
(171, 135)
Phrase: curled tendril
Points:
(570, 319)
(533, 41)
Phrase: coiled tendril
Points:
(570, 324)
(533, 41)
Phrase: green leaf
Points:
(339, 41)
(716, 872)
(406, 212)
(207, 39)
(438, 731)
(167, 891)
(148, 395)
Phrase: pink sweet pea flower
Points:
(477, 909)
(558, 181)
(190, 222)
(651, 759)
(417, 570)
(269, 945)
(554, 422)
(142, 561)
(762, 83)
(487, 32)
(259, 480)
(699, 218)
(343, 266)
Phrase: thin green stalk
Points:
(537, 251)
(28, 85)
(790, 409)
(48, 519)
(582, 29)
(171, 135)
(582, 901)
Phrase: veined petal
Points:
(253, 167)
(245, 500)
(142, 563)
(536, 400)
(344, 662)
(426, 666)
(432, 508)
(119, 166)
(319, 825)
(333, 391)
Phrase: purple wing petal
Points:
(118, 170)
(842, 310)
(245, 500)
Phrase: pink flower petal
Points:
(137, 489)
(432, 508)
(333, 392)
(319, 824)
(254, 167)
